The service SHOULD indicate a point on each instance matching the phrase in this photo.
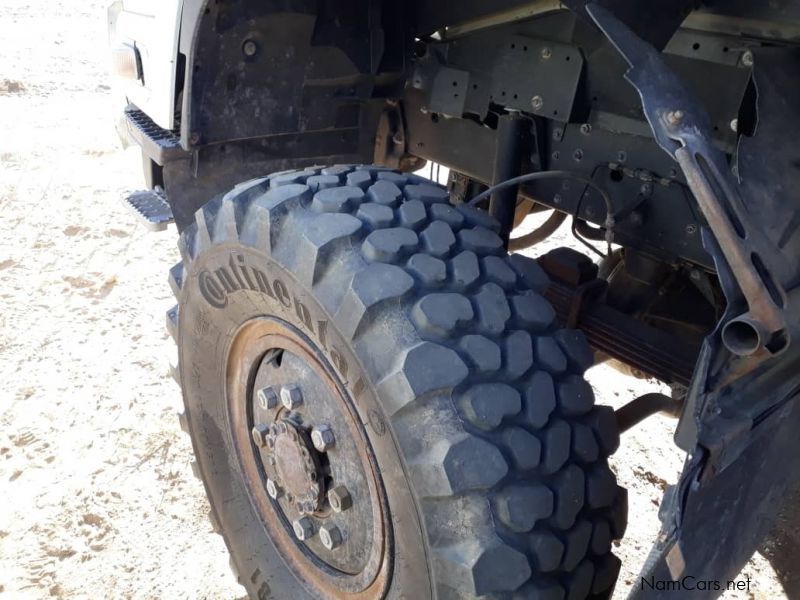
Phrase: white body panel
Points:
(154, 27)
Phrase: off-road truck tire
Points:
(491, 458)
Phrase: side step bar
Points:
(160, 145)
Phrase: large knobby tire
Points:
(491, 456)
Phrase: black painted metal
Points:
(513, 132)
(656, 24)
(158, 144)
(431, 16)
(521, 72)
(741, 415)
(642, 407)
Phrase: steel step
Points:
(159, 144)
(151, 208)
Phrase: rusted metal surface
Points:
(762, 308)
(285, 467)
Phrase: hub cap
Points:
(307, 461)
(297, 466)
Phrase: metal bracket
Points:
(391, 141)
(683, 130)
(520, 73)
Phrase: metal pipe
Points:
(638, 409)
(539, 234)
(512, 133)
(700, 175)
(744, 335)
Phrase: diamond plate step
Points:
(151, 208)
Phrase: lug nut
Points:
(274, 490)
(339, 499)
(291, 397)
(330, 536)
(322, 438)
(260, 433)
(267, 398)
(303, 528)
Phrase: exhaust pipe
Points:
(744, 335)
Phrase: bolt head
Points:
(322, 438)
(674, 117)
(340, 499)
(546, 53)
(691, 229)
(586, 129)
(303, 528)
(735, 125)
(249, 48)
(330, 536)
(291, 396)
(267, 398)
(747, 58)
(537, 103)
(260, 433)
(273, 489)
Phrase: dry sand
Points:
(97, 499)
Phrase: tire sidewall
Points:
(209, 319)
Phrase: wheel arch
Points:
(312, 90)
(325, 62)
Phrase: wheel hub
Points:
(297, 465)
(307, 461)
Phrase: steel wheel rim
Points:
(310, 560)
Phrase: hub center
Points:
(296, 465)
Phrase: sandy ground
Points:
(97, 499)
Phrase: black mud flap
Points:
(741, 422)
(734, 484)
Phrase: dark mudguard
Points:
(741, 416)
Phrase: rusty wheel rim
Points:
(307, 463)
